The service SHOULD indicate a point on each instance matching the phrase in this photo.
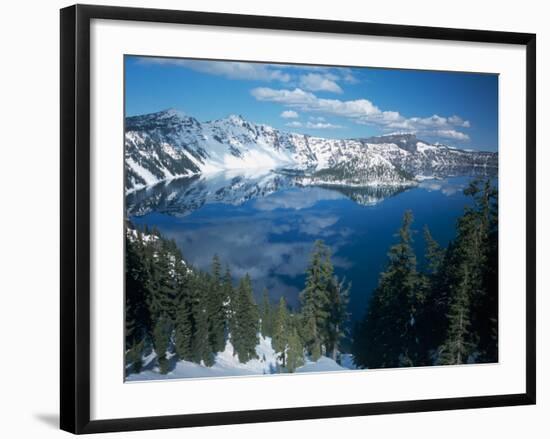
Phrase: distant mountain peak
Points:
(397, 134)
(236, 119)
(172, 112)
(406, 141)
(392, 137)
(169, 118)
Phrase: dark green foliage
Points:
(161, 338)
(180, 310)
(324, 303)
(315, 299)
(230, 300)
(216, 308)
(431, 319)
(162, 284)
(295, 351)
(281, 330)
(286, 339)
(472, 279)
(245, 322)
(485, 305)
(183, 320)
(337, 316)
(447, 315)
(388, 336)
(200, 345)
(184, 328)
(133, 356)
(266, 315)
(166, 303)
(434, 253)
(458, 345)
(138, 320)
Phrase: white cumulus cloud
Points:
(227, 69)
(289, 114)
(452, 134)
(363, 111)
(320, 82)
(322, 125)
(458, 121)
(314, 125)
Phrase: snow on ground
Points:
(227, 364)
(266, 362)
(323, 364)
(326, 364)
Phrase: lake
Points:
(265, 225)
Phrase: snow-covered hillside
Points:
(227, 364)
(168, 144)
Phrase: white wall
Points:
(30, 204)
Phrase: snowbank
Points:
(227, 364)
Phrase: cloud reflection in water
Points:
(266, 225)
(270, 240)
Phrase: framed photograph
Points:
(268, 218)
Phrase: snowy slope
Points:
(169, 144)
(227, 364)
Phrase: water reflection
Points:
(182, 196)
(265, 225)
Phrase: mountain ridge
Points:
(170, 144)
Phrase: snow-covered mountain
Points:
(169, 144)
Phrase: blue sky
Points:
(458, 109)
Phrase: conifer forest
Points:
(435, 308)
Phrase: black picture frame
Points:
(75, 217)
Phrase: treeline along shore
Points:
(438, 312)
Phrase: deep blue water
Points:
(270, 237)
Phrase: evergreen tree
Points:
(295, 351)
(338, 315)
(161, 283)
(266, 314)
(229, 301)
(183, 336)
(315, 299)
(447, 314)
(245, 322)
(201, 350)
(161, 340)
(216, 308)
(434, 253)
(281, 330)
(134, 356)
(485, 304)
(431, 320)
(458, 344)
(183, 332)
(388, 335)
(471, 280)
(137, 318)
(163, 289)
